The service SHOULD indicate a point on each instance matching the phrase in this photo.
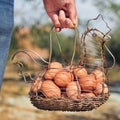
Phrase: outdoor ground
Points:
(15, 104)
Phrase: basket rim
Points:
(66, 104)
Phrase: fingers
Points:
(66, 18)
(69, 23)
(72, 12)
(64, 21)
(62, 18)
(56, 22)
(60, 21)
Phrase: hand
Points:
(63, 13)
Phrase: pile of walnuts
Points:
(73, 82)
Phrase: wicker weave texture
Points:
(65, 104)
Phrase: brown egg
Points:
(49, 89)
(88, 83)
(36, 85)
(86, 94)
(73, 90)
(53, 68)
(99, 75)
(101, 88)
(80, 72)
(63, 77)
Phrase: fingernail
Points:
(57, 29)
(61, 12)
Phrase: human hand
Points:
(63, 13)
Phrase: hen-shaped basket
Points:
(80, 85)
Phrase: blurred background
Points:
(31, 31)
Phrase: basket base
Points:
(65, 104)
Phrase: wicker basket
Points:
(80, 104)
(66, 104)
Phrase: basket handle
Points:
(76, 37)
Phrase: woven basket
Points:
(86, 103)
(66, 104)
